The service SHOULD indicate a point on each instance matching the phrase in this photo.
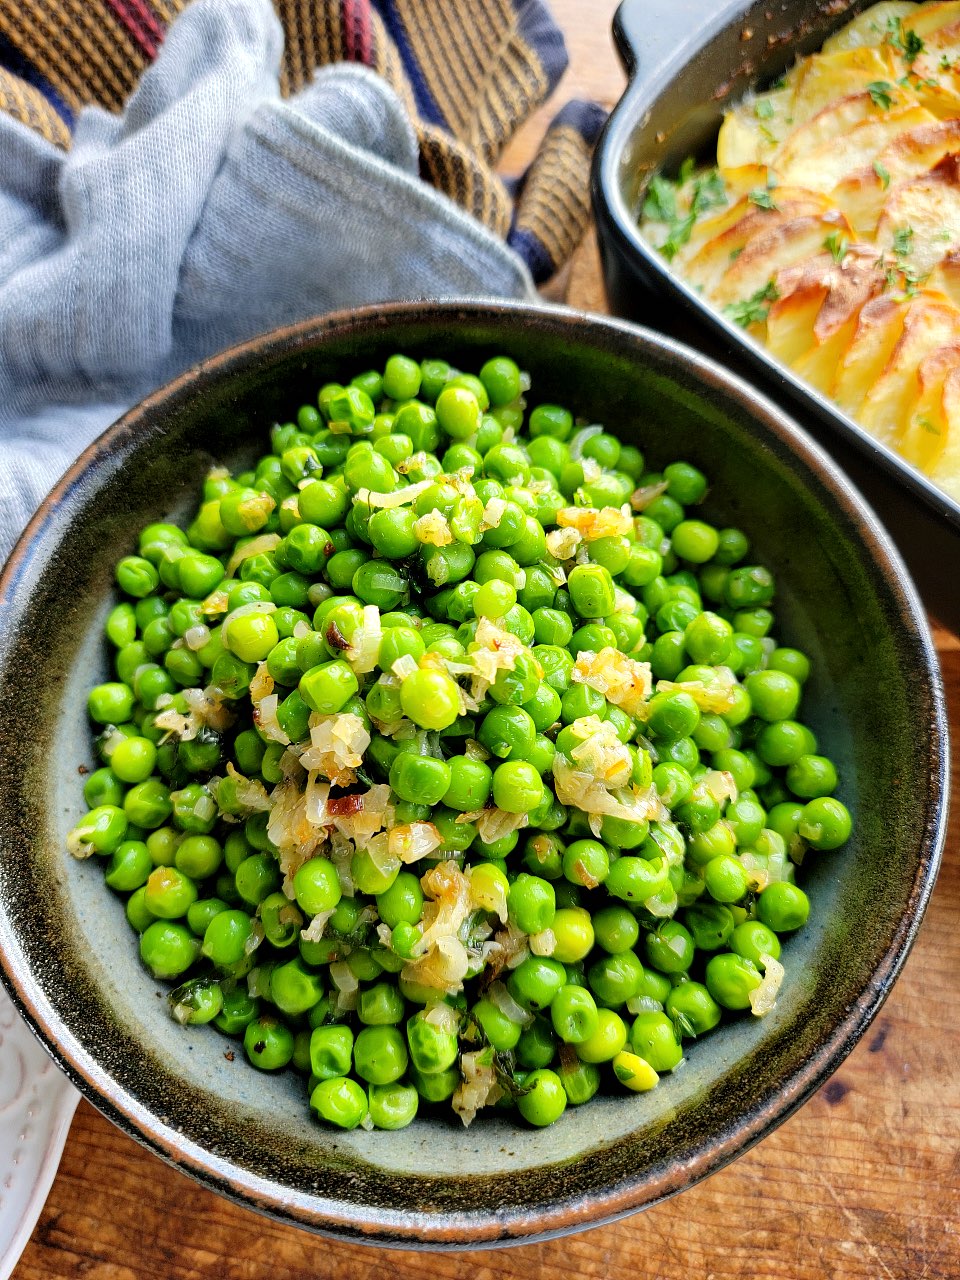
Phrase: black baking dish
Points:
(687, 60)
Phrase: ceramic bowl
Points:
(875, 701)
(688, 61)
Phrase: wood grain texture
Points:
(863, 1183)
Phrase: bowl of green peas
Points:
(469, 771)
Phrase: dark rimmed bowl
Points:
(687, 61)
(875, 701)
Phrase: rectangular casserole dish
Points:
(687, 61)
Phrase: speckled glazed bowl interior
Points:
(69, 957)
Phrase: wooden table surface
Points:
(863, 1183)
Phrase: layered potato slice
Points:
(829, 77)
(917, 151)
(928, 325)
(712, 249)
(869, 27)
(791, 241)
(752, 132)
(946, 464)
(877, 331)
(815, 316)
(853, 147)
(833, 227)
(927, 426)
(921, 218)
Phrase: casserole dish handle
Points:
(651, 45)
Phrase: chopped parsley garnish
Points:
(903, 241)
(763, 110)
(661, 201)
(882, 174)
(926, 425)
(907, 43)
(762, 199)
(709, 192)
(946, 62)
(754, 309)
(779, 83)
(880, 94)
(837, 245)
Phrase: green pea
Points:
(129, 866)
(574, 1014)
(380, 1055)
(167, 948)
(102, 830)
(783, 907)
(825, 823)
(268, 1043)
(730, 979)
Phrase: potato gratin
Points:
(830, 227)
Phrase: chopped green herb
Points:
(926, 425)
(754, 309)
(763, 109)
(882, 174)
(677, 237)
(838, 245)
(769, 137)
(946, 62)
(735, 253)
(880, 94)
(906, 43)
(686, 170)
(903, 241)
(779, 83)
(661, 201)
(709, 192)
(762, 199)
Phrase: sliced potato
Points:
(822, 128)
(875, 335)
(930, 18)
(770, 251)
(832, 76)
(946, 469)
(862, 193)
(823, 166)
(853, 282)
(753, 131)
(860, 198)
(846, 282)
(819, 363)
(919, 150)
(841, 289)
(925, 431)
(945, 277)
(940, 47)
(708, 262)
(790, 322)
(927, 207)
(869, 29)
(927, 325)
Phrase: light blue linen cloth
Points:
(209, 211)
